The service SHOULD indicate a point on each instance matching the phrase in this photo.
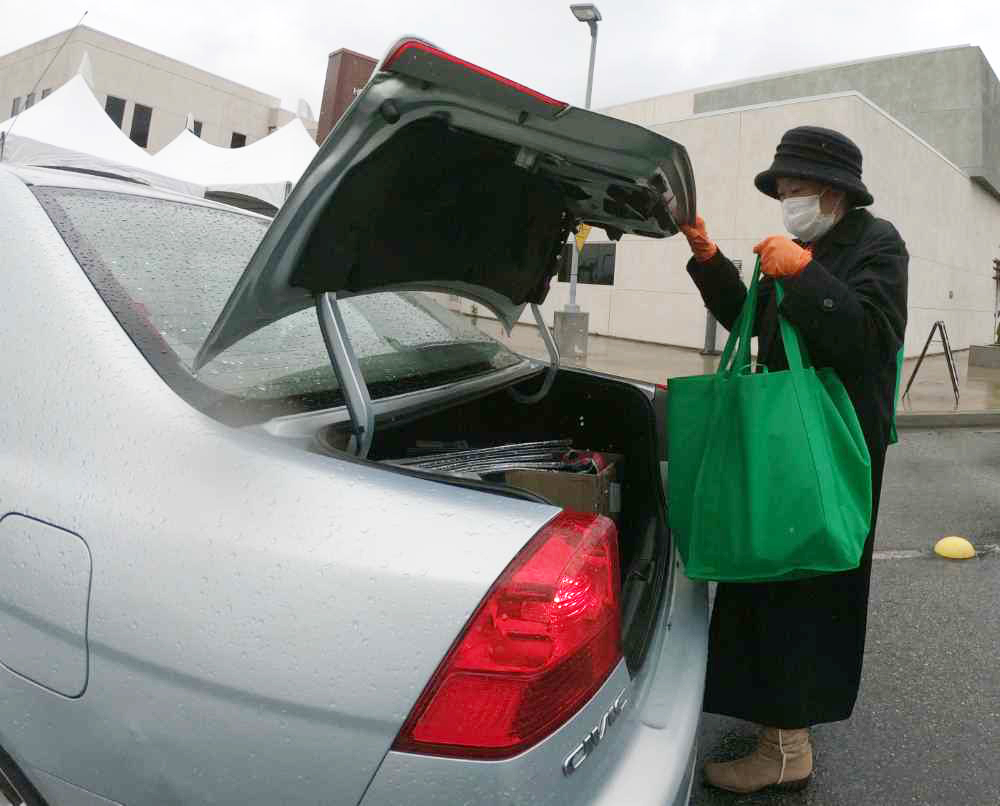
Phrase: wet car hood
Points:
(441, 176)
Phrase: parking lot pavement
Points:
(926, 729)
(941, 483)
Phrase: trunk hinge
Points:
(348, 371)
(553, 369)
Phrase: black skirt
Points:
(789, 654)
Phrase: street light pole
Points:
(589, 14)
(571, 326)
(593, 53)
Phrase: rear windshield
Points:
(166, 268)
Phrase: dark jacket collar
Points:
(848, 230)
(845, 232)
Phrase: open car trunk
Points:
(596, 414)
(443, 176)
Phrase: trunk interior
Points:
(597, 414)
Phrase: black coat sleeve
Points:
(855, 325)
(723, 291)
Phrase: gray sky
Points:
(645, 47)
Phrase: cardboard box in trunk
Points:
(599, 493)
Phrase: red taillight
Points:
(544, 639)
(412, 46)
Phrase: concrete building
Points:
(147, 94)
(928, 125)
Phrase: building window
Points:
(29, 101)
(45, 93)
(115, 107)
(238, 141)
(196, 129)
(596, 267)
(15, 106)
(141, 118)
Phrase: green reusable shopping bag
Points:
(768, 473)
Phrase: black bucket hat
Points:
(823, 155)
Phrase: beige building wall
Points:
(650, 112)
(171, 88)
(950, 224)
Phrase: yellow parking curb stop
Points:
(954, 548)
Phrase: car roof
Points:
(38, 176)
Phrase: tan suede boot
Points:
(782, 761)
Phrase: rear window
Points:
(166, 268)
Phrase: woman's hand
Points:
(781, 256)
(701, 245)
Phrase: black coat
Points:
(789, 654)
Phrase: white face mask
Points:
(805, 219)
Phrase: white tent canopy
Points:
(265, 169)
(86, 69)
(72, 118)
(70, 129)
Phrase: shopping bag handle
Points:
(736, 354)
(795, 347)
(734, 359)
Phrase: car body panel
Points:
(489, 230)
(44, 594)
(655, 733)
(58, 792)
(264, 612)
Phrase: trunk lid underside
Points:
(438, 186)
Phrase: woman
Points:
(787, 655)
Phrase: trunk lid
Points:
(442, 176)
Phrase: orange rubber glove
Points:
(702, 246)
(782, 257)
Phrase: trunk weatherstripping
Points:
(553, 368)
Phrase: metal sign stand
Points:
(948, 357)
(996, 300)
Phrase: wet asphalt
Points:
(926, 728)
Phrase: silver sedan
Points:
(238, 563)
